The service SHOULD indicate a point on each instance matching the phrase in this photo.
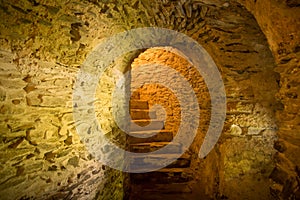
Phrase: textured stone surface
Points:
(42, 156)
(44, 43)
(279, 20)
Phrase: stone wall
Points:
(160, 94)
(42, 155)
(279, 20)
(44, 43)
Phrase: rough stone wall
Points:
(162, 95)
(42, 156)
(43, 43)
(280, 21)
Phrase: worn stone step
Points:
(171, 188)
(151, 195)
(174, 148)
(135, 96)
(163, 176)
(136, 195)
(142, 114)
(160, 196)
(143, 125)
(158, 136)
(160, 160)
(139, 104)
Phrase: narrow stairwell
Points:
(170, 182)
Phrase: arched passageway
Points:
(43, 47)
(243, 137)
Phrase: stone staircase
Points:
(170, 182)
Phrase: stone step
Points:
(174, 148)
(139, 104)
(163, 176)
(142, 114)
(160, 136)
(135, 95)
(171, 188)
(144, 124)
(162, 196)
(159, 161)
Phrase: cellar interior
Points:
(255, 47)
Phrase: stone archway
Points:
(176, 179)
(250, 122)
(41, 57)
